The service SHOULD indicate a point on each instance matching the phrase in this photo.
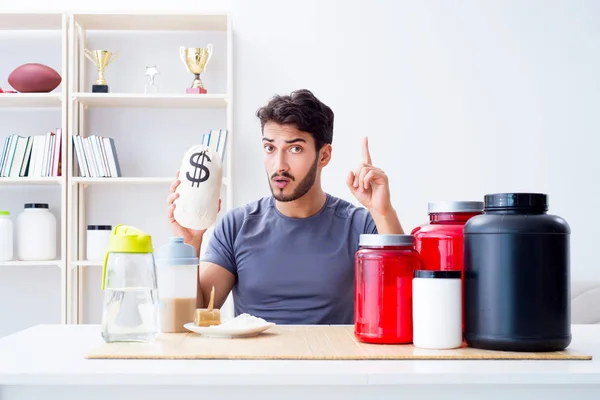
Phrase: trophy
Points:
(151, 86)
(195, 60)
(101, 58)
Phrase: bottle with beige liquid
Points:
(177, 266)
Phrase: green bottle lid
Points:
(126, 239)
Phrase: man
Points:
(289, 257)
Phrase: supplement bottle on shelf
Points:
(6, 236)
(36, 233)
(97, 241)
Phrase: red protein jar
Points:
(384, 266)
(441, 242)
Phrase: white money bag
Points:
(200, 188)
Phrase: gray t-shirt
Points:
(291, 270)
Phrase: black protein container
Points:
(517, 276)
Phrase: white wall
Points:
(458, 98)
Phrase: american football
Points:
(34, 78)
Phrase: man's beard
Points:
(305, 185)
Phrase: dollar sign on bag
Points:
(200, 170)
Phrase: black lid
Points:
(424, 273)
(99, 227)
(516, 201)
(36, 205)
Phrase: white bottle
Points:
(177, 269)
(437, 309)
(97, 242)
(36, 233)
(201, 175)
(6, 236)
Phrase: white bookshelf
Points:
(155, 21)
(122, 181)
(33, 21)
(26, 181)
(78, 106)
(129, 181)
(145, 171)
(167, 100)
(19, 112)
(49, 263)
(86, 263)
(31, 100)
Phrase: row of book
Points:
(32, 156)
(217, 139)
(40, 156)
(96, 156)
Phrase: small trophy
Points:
(196, 59)
(151, 86)
(101, 58)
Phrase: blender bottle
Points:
(130, 312)
(177, 284)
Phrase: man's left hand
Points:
(370, 185)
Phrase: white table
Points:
(47, 362)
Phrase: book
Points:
(96, 156)
(217, 139)
(32, 156)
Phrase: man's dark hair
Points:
(302, 109)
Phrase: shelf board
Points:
(30, 99)
(117, 181)
(86, 263)
(51, 263)
(30, 21)
(129, 180)
(152, 21)
(24, 180)
(166, 100)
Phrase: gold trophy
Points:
(101, 58)
(195, 60)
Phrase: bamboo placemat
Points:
(315, 342)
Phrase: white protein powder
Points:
(242, 321)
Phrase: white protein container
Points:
(97, 242)
(437, 309)
(6, 236)
(36, 233)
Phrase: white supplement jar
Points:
(437, 309)
(97, 242)
(6, 236)
(36, 233)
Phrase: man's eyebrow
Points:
(287, 141)
(295, 140)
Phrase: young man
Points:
(289, 257)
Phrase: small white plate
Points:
(216, 331)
